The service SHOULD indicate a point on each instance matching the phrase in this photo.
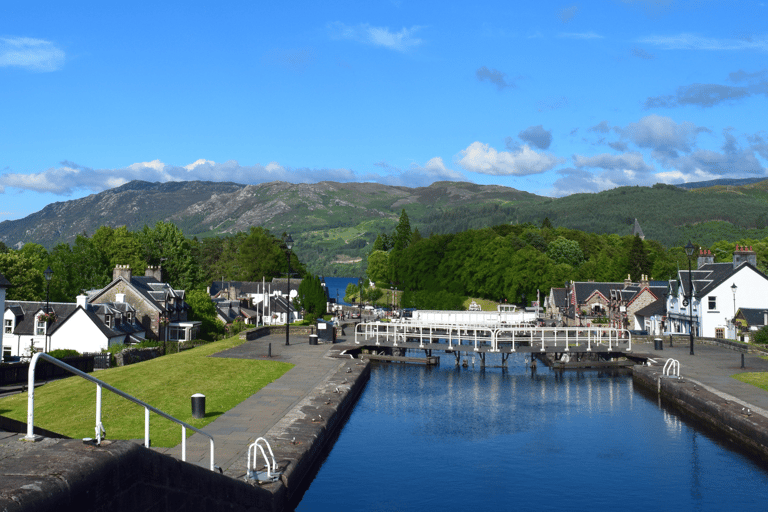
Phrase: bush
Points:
(761, 336)
(62, 353)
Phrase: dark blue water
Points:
(339, 284)
(466, 439)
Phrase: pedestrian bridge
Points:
(493, 338)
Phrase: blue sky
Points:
(553, 98)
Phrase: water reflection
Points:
(458, 438)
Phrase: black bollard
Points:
(742, 360)
(198, 405)
(269, 350)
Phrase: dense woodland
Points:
(509, 262)
(504, 262)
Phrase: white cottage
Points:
(719, 290)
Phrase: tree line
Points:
(509, 262)
(187, 263)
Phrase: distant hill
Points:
(721, 182)
(334, 224)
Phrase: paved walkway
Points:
(234, 430)
(713, 367)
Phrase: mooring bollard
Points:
(198, 406)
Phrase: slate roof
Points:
(558, 295)
(710, 276)
(4, 283)
(585, 289)
(160, 295)
(657, 307)
(753, 316)
(25, 312)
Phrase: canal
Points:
(448, 438)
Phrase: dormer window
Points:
(108, 320)
(40, 327)
(129, 317)
(8, 326)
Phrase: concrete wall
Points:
(715, 413)
(119, 476)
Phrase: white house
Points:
(80, 326)
(3, 285)
(719, 290)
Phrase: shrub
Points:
(761, 336)
(62, 353)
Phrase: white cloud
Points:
(401, 41)
(33, 54)
(69, 177)
(627, 162)
(580, 35)
(482, 158)
(695, 42)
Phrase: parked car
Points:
(355, 315)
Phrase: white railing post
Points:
(31, 399)
(98, 414)
(146, 427)
(183, 443)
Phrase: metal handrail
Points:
(671, 368)
(99, 427)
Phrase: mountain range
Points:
(334, 224)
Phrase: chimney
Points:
(120, 297)
(644, 281)
(156, 272)
(744, 254)
(82, 301)
(123, 271)
(627, 281)
(705, 256)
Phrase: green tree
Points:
(562, 250)
(165, 245)
(78, 268)
(202, 308)
(311, 297)
(377, 266)
(639, 263)
(402, 235)
(24, 274)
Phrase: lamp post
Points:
(289, 244)
(360, 298)
(733, 289)
(48, 275)
(689, 252)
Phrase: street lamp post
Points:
(689, 252)
(288, 244)
(48, 275)
(733, 289)
(360, 298)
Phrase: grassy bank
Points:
(759, 379)
(68, 406)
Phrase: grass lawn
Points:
(759, 379)
(487, 305)
(68, 406)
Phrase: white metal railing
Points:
(271, 466)
(99, 427)
(469, 334)
(672, 368)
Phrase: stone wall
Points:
(119, 476)
(716, 413)
(136, 355)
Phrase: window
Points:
(108, 320)
(719, 333)
(129, 317)
(8, 326)
(712, 302)
(40, 327)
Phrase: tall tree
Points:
(639, 263)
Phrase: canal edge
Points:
(737, 420)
